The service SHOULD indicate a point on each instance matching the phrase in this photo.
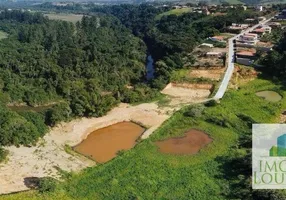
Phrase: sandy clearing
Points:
(41, 160)
(187, 93)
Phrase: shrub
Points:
(3, 154)
(211, 103)
(47, 184)
(195, 111)
(58, 113)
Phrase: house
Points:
(274, 24)
(267, 29)
(244, 61)
(217, 38)
(244, 26)
(244, 8)
(237, 27)
(282, 15)
(207, 45)
(176, 7)
(259, 31)
(245, 54)
(259, 8)
(250, 20)
(205, 11)
(248, 38)
(214, 54)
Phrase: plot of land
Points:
(213, 74)
(186, 93)
(65, 17)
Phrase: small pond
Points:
(103, 144)
(191, 143)
(269, 95)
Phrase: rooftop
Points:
(259, 30)
(245, 53)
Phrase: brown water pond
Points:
(103, 144)
(269, 95)
(191, 143)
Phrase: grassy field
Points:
(174, 12)
(144, 173)
(3, 35)
(65, 17)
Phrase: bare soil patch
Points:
(191, 143)
(242, 75)
(186, 93)
(212, 73)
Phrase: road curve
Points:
(230, 65)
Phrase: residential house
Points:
(259, 8)
(248, 38)
(245, 54)
(282, 15)
(274, 24)
(217, 38)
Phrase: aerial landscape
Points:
(123, 99)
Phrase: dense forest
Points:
(85, 69)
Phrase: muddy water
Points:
(269, 95)
(191, 143)
(103, 144)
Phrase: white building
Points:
(259, 8)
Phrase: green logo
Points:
(280, 149)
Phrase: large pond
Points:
(191, 143)
(269, 95)
(103, 144)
